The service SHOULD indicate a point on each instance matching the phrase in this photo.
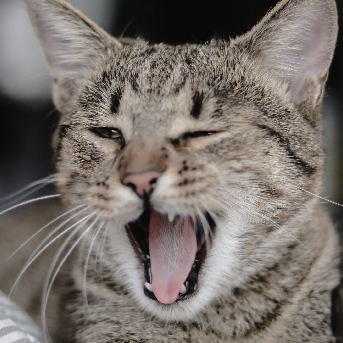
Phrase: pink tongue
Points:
(173, 247)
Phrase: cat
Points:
(188, 177)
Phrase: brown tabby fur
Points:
(272, 263)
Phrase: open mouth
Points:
(172, 250)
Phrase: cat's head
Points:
(191, 158)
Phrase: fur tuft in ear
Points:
(71, 43)
(296, 41)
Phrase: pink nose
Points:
(142, 183)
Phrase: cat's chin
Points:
(171, 278)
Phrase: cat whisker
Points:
(87, 260)
(247, 205)
(282, 228)
(30, 202)
(24, 196)
(214, 216)
(100, 247)
(206, 227)
(47, 225)
(317, 196)
(41, 248)
(50, 276)
(51, 112)
(46, 239)
(127, 26)
(39, 184)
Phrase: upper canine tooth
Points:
(171, 217)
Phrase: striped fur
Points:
(235, 129)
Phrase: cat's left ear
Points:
(296, 41)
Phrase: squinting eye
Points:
(197, 134)
(108, 132)
(189, 135)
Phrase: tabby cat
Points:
(187, 176)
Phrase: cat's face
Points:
(189, 157)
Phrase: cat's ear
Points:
(71, 42)
(296, 41)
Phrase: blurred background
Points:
(27, 116)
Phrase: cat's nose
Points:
(143, 182)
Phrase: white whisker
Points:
(101, 245)
(24, 196)
(280, 227)
(248, 206)
(87, 260)
(45, 226)
(37, 253)
(214, 216)
(30, 202)
(45, 240)
(207, 229)
(39, 183)
(317, 196)
(51, 278)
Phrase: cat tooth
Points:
(148, 286)
(183, 289)
(171, 217)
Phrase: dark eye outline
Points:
(108, 133)
(189, 135)
(197, 134)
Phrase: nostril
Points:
(153, 185)
(153, 182)
(142, 183)
(131, 185)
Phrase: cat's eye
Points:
(108, 132)
(189, 135)
(198, 134)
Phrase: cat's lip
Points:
(138, 233)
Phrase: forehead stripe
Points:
(115, 101)
(197, 104)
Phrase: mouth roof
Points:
(172, 251)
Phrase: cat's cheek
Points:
(123, 263)
(116, 204)
(162, 191)
(222, 264)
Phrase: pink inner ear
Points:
(311, 59)
(299, 48)
(69, 44)
(63, 59)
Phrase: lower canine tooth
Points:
(148, 286)
(183, 289)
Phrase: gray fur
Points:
(272, 265)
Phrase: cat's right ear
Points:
(71, 42)
(295, 43)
